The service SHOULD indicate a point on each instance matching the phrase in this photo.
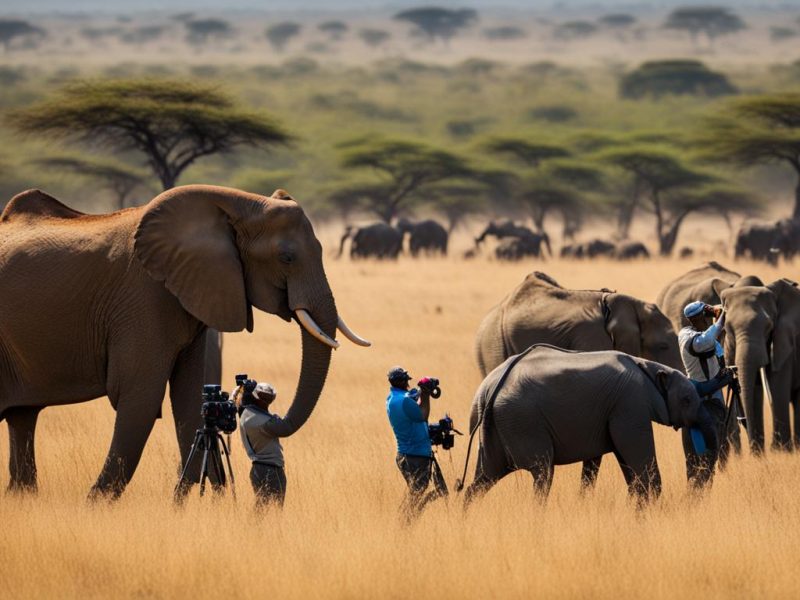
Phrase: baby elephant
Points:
(548, 406)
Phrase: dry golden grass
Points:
(339, 534)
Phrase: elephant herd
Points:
(120, 305)
(383, 241)
(571, 375)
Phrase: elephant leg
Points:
(542, 472)
(22, 460)
(796, 414)
(634, 444)
(213, 357)
(487, 473)
(186, 397)
(138, 406)
(589, 473)
(781, 420)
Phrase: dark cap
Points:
(398, 375)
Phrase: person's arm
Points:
(425, 404)
(706, 341)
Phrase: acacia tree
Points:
(122, 181)
(280, 34)
(757, 130)
(172, 123)
(12, 29)
(374, 37)
(442, 23)
(669, 188)
(713, 21)
(529, 153)
(198, 32)
(406, 168)
(334, 29)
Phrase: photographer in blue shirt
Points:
(408, 412)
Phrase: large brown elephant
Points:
(540, 311)
(761, 337)
(119, 304)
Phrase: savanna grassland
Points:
(339, 534)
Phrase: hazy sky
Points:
(111, 6)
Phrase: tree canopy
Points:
(172, 123)
(713, 21)
(406, 168)
(505, 32)
(660, 77)
(434, 22)
(201, 31)
(756, 130)
(11, 29)
(335, 29)
(529, 153)
(280, 34)
(374, 37)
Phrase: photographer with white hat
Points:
(267, 474)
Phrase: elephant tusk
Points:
(765, 384)
(348, 333)
(311, 327)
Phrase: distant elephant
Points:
(531, 241)
(119, 305)
(631, 250)
(768, 240)
(762, 329)
(539, 310)
(514, 249)
(426, 236)
(550, 406)
(590, 249)
(378, 240)
(686, 252)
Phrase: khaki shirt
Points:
(260, 446)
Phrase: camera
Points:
(247, 384)
(442, 433)
(431, 386)
(218, 411)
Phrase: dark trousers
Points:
(418, 472)
(699, 468)
(269, 484)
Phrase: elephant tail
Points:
(483, 416)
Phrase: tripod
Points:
(208, 440)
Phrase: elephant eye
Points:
(286, 257)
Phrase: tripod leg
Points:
(204, 467)
(183, 485)
(230, 469)
(216, 465)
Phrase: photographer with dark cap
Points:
(408, 411)
(266, 474)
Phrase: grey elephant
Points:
(377, 240)
(539, 310)
(768, 240)
(631, 250)
(761, 331)
(530, 242)
(118, 305)
(591, 249)
(548, 406)
(428, 236)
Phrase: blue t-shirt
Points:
(410, 427)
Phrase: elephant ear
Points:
(623, 324)
(787, 325)
(717, 285)
(186, 240)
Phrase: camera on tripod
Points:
(443, 433)
(218, 411)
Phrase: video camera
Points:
(218, 411)
(431, 386)
(441, 433)
(244, 382)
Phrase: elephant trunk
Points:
(347, 232)
(748, 364)
(316, 358)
